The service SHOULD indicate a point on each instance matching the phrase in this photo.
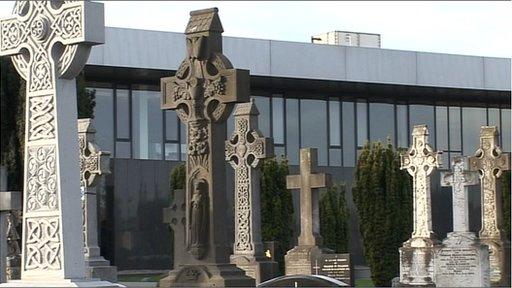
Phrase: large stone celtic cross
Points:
(490, 162)
(50, 42)
(244, 150)
(420, 160)
(203, 93)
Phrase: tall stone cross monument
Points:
(203, 93)
(417, 253)
(244, 150)
(490, 162)
(49, 42)
(299, 259)
(461, 260)
(93, 164)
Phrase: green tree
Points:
(86, 98)
(383, 197)
(334, 216)
(276, 207)
(178, 177)
(505, 178)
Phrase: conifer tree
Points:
(178, 177)
(334, 216)
(506, 202)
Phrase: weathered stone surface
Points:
(417, 254)
(490, 162)
(203, 93)
(49, 42)
(303, 281)
(300, 259)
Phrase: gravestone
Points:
(417, 254)
(203, 93)
(337, 266)
(299, 260)
(49, 42)
(303, 281)
(490, 162)
(461, 260)
(93, 164)
(244, 150)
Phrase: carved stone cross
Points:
(490, 162)
(175, 217)
(49, 42)
(459, 179)
(306, 182)
(420, 160)
(244, 151)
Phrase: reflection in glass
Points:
(263, 105)
(123, 114)
(401, 124)
(494, 117)
(313, 126)
(472, 119)
(183, 141)
(292, 131)
(382, 122)
(230, 125)
(505, 122)
(455, 129)
(279, 152)
(423, 114)
(442, 128)
(334, 123)
(123, 149)
(171, 125)
(362, 123)
(104, 119)
(147, 124)
(171, 151)
(349, 132)
(278, 120)
(335, 157)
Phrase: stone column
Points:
(417, 254)
(490, 162)
(244, 150)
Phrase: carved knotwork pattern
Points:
(42, 179)
(43, 244)
(41, 72)
(68, 25)
(13, 34)
(41, 118)
(216, 87)
(243, 210)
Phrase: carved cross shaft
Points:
(459, 179)
(175, 217)
(244, 151)
(306, 182)
(420, 160)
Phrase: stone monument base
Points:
(417, 262)
(99, 268)
(462, 261)
(92, 283)
(499, 251)
(300, 260)
(220, 275)
(259, 268)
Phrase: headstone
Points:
(244, 150)
(203, 93)
(49, 42)
(337, 266)
(303, 281)
(93, 164)
(461, 260)
(417, 253)
(490, 162)
(300, 259)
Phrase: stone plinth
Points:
(417, 264)
(259, 268)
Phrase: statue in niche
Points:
(198, 219)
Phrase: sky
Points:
(459, 27)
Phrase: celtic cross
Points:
(306, 182)
(459, 180)
(203, 93)
(490, 162)
(420, 160)
(244, 150)
(175, 217)
(49, 42)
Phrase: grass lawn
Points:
(364, 282)
(140, 278)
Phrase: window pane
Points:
(505, 121)
(423, 114)
(123, 149)
(334, 123)
(123, 113)
(313, 125)
(279, 152)
(401, 123)
(104, 119)
(472, 120)
(442, 128)
(147, 125)
(171, 151)
(263, 105)
(335, 157)
(382, 122)
(292, 131)
(455, 129)
(183, 141)
(362, 123)
(278, 120)
(494, 117)
(349, 134)
(171, 125)
(230, 125)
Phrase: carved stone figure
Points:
(198, 220)
(49, 42)
(490, 162)
(417, 253)
(203, 93)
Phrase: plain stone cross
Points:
(306, 182)
(490, 162)
(459, 179)
(420, 160)
(175, 217)
(244, 150)
(49, 42)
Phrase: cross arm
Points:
(170, 91)
(237, 85)
(80, 22)
(446, 179)
(13, 35)
(320, 180)
(293, 181)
